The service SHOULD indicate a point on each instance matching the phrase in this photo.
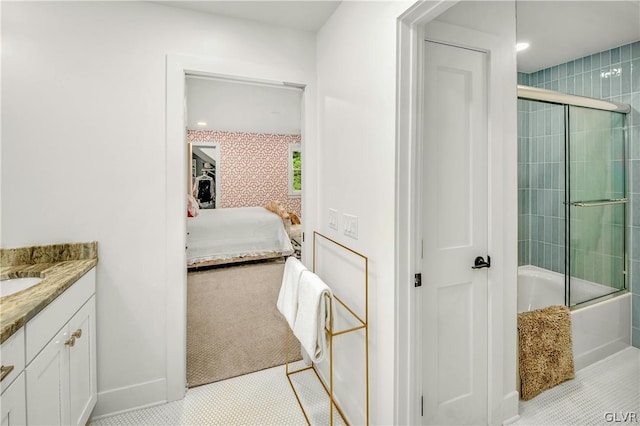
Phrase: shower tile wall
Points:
(612, 75)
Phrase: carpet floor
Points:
(233, 325)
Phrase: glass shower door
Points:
(596, 204)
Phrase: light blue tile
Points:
(615, 55)
(615, 84)
(520, 78)
(635, 242)
(625, 78)
(554, 73)
(605, 84)
(548, 256)
(578, 85)
(634, 169)
(595, 61)
(635, 310)
(635, 277)
(586, 64)
(635, 109)
(596, 84)
(586, 84)
(635, 337)
(570, 68)
(635, 75)
(635, 50)
(605, 58)
(562, 85)
(625, 53)
(562, 70)
(547, 75)
(570, 84)
(577, 66)
(634, 143)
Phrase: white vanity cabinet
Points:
(13, 408)
(12, 401)
(59, 381)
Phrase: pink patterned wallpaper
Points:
(253, 167)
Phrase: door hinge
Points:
(417, 282)
(303, 237)
(422, 406)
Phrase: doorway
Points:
(178, 67)
(456, 325)
(241, 137)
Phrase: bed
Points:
(221, 236)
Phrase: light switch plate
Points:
(333, 219)
(350, 225)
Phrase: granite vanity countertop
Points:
(58, 272)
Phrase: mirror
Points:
(205, 175)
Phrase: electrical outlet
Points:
(333, 219)
(350, 225)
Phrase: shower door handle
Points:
(480, 263)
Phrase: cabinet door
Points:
(82, 363)
(13, 404)
(48, 383)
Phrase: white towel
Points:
(288, 298)
(313, 312)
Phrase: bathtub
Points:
(598, 330)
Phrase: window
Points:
(295, 170)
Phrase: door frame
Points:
(502, 398)
(175, 262)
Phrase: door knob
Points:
(480, 263)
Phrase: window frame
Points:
(294, 147)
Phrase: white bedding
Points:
(220, 234)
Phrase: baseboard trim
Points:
(510, 408)
(130, 398)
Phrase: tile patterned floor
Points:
(607, 392)
(603, 393)
(261, 398)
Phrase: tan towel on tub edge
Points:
(545, 349)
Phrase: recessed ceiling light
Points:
(201, 123)
(522, 46)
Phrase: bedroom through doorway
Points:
(244, 182)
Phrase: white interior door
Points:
(454, 223)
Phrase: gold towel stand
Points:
(331, 333)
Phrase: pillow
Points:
(295, 220)
(193, 209)
(274, 207)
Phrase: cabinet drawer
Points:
(51, 319)
(12, 355)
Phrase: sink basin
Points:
(14, 285)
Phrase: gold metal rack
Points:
(331, 333)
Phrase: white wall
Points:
(241, 107)
(83, 153)
(357, 94)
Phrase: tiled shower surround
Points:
(611, 75)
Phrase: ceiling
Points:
(298, 15)
(558, 31)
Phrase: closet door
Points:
(454, 223)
